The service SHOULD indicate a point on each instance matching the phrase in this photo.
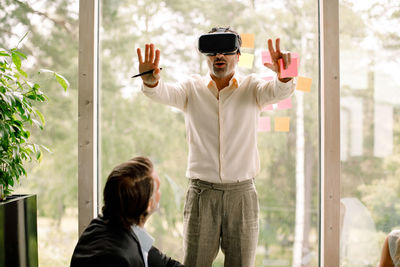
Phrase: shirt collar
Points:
(233, 82)
(145, 239)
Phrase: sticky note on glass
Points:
(291, 71)
(285, 104)
(246, 60)
(268, 107)
(266, 57)
(303, 84)
(264, 124)
(282, 124)
(247, 40)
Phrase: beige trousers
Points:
(220, 215)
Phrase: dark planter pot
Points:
(18, 231)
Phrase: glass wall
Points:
(370, 128)
(131, 124)
(51, 43)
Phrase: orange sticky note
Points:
(247, 40)
(285, 104)
(264, 124)
(246, 60)
(303, 84)
(291, 70)
(282, 124)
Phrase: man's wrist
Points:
(285, 80)
(150, 85)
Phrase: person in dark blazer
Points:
(117, 237)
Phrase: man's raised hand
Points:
(150, 62)
(277, 54)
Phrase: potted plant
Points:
(18, 114)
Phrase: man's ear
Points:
(150, 205)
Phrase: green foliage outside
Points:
(18, 94)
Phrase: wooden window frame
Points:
(329, 133)
(87, 113)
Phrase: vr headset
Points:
(226, 43)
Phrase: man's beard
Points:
(220, 72)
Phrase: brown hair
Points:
(227, 29)
(127, 192)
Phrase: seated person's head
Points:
(131, 193)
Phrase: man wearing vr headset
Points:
(221, 114)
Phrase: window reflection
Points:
(132, 125)
(370, 105)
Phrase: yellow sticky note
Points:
(246, 60)
(303, 84)
(247, 40)
(282, 124)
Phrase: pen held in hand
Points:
(143, 73)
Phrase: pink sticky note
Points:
(264, 124)
(285, 104)
(269, 78)
(268, 107)
(291, 71)
(266, 57)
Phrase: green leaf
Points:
(16, 59)
(10, 78)
(39, 156)
(40, 115)
(20, 54)
(18, 123)
(29, 148)
(38, 124)
(37, 150)
(41, 98)
(7, 99)
(22, 72)
(24, 155)
(4, 54)
(31, 96)
(46, 71)
(46, 148)
(62, 81)
(26, 134)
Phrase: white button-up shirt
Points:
(145, 240)
(221, 126)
